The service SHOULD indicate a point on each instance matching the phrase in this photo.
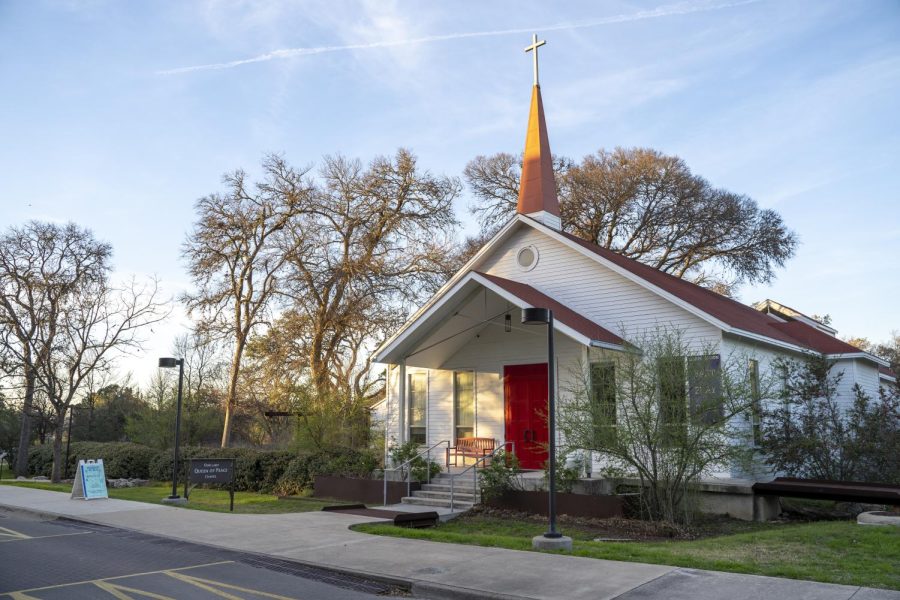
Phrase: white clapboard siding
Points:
(389, 413)
(440, 405)
(593, 290)
(855, 371)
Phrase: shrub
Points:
(301, 472)
(120, 459)
(254, 470)
(499, 475)
(40, 460)
(294, 479)
(418, 467)
(272, 466)
(567, 474)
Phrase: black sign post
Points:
(211, 470)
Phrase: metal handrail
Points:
(474, 470)
(427, 453)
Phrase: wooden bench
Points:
(470, 447)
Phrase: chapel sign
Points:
(211, 470)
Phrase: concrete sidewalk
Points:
(432, 570)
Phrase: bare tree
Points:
(234, 259)
(41, 265)
(374, 243)
(204, 367)
(97, 321)
(650, 207)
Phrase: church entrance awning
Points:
(474, 303)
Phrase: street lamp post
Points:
(552, 539)
(169, 363)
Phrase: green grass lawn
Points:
(828, 551)
(202, 499)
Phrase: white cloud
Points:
(384, 23)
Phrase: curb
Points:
(418, 588)
(440, 591)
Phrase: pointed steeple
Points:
(537, 188)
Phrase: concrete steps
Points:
(437, 493)
(458, 505)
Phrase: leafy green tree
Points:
(812, 434)
(9, 430)
(102, 415)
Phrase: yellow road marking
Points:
(207, 584)
(41, 537)
(21, 596)
(13, 534)
(203, 585)
(119, 591)
(62, 585)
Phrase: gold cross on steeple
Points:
(535, 44)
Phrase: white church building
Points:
(464, 366)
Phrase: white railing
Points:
(474, 470)
(406, 474)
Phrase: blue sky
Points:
(104, 121)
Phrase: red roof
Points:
(730, 312)
(887, 371)
(813, 338)
(562, 313)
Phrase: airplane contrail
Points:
(681, 8)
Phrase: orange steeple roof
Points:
(537, 188)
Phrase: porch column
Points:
(401, 401)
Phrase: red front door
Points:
(525, 390)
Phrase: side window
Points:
(464, 403)
(603, 402)
(705, 389)
(755, 401)
(417, 399)
(672, 398)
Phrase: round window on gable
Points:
(527, 258)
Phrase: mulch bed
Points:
(622, 529)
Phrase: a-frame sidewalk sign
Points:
(90, 480)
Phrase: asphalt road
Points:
(66, 560)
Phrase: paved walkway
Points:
(434, 570)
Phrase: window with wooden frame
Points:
(417, 403)
(603, 402)
(464, 404)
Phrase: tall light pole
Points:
(552, 539)
(169, 363)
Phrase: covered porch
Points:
(465, 367)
